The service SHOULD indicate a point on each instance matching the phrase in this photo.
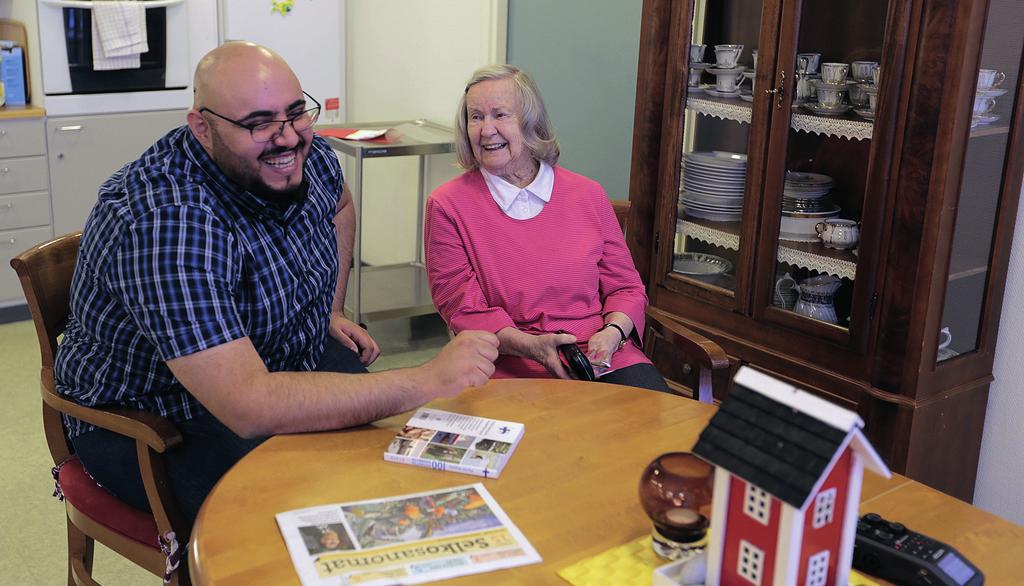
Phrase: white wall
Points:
(25, 11)
(1001, 470)
(408, 60)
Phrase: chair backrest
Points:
(621, 207)
(45, 272)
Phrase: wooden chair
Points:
(155, 541)
(688, 348)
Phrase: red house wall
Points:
(738, 526)
(829, 536)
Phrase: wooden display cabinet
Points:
(932, 182)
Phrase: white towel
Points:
(118, 34)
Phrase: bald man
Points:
(208, 290)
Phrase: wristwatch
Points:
(622, 334)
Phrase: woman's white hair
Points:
(538, 134)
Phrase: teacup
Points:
(858, 95)
(830, 96)
(808, 61)
(862, 70)
(838, 233)
(944, 338)
(834, 72)
(983, 105)
(990, 78)
(697, 53)
(872, 92)
(727, 81)
(694, 80)
(727, 56)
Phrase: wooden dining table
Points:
(571, 486)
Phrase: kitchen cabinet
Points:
(727, 188)
(24, 193)
(86, 150)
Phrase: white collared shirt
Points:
(526, 202)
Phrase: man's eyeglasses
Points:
(268, 131)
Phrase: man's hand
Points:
(354, 338)
(466, 361)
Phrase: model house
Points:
(787, 484)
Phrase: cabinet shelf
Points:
(809, 255)
(989, 131)
(738, 111)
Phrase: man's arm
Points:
(233, 383)
(345, 232)
(341, 328)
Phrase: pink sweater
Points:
(561, 270)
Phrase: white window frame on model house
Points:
(750, 562)
(824, 508)
(817, 569)
(757, 504)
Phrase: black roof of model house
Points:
(775, 446)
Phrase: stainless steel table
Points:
(399, 290)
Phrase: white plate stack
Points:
(712, 186)
(805, 202)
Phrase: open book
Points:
(461, 443)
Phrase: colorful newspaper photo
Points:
(407, 539)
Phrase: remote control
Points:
(892, 552)
(578, 363)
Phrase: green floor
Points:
(33, 546)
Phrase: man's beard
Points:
(241, 172)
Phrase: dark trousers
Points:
(644, 376)
(209, 449)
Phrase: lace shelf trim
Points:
(843, 269)
(709, 235)
(840, 127)
(723, 110)
(740, 112)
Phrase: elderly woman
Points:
(529, 250)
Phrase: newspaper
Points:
(408, 539)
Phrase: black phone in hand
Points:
(578, 363)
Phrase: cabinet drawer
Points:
(24, 210)
(22, 137)
(13, 243)
(27, 174)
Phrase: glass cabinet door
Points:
(817, 179)
(715, 187)
(981, 187)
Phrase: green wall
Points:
(583, 54)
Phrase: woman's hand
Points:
(542, 348)
(355, 338)
(601, 346)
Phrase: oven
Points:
(179, 33)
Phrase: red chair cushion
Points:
(98, 504)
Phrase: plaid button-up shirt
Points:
(177, 258)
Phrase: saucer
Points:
(821, 111)
(718, 94)
(992, 92)
(986, 118)
(747, 97)
(865, 113)
(698, 65)
(694, 89)
(833, 86)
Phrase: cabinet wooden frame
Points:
(884, 365)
